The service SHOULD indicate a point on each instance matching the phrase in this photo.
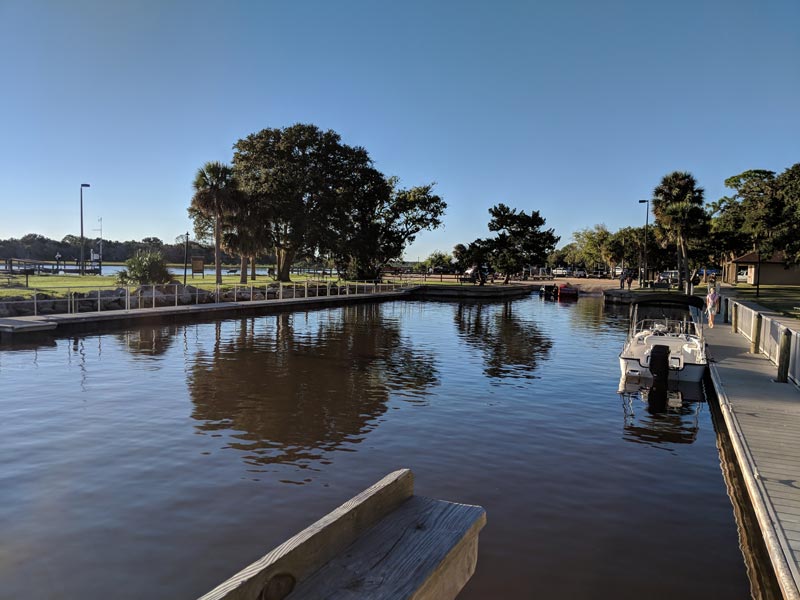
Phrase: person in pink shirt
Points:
(712, 302)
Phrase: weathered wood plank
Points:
(784, 508)
(298, 557)
(384, 544)
(404, 553)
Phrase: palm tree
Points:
(678, 208)
(245, 232)
(214, 195)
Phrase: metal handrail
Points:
(770, 337)
(78, 299)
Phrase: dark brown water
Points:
(157, 462)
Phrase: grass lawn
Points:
(59, 284)
(780, 298)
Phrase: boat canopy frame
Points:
(665, 300)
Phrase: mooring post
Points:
(735, 318)
(784, 352)
(725, 310)
(755, 334)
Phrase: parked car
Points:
(562, 271)
(741, 276)
(580, 273)
(670, 277)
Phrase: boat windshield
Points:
(668, 326)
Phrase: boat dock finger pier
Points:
(753, 367)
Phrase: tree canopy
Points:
(520, 242)
(679, 211)
(312, 195)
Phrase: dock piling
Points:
(784, 353)
(755, 334)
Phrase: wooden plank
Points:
(426, 549)
(778, 491)
(770, 456)
(771, 434)
(786, 508)
(294, 560)
(776, 471)
(769, 438)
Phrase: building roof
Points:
(751, 258)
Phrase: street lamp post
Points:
(100, 254)
(83, 185)
(646, 220)
(186, 257)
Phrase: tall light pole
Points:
(186, 257)
(100, 255)
(646, 220)
(83, 185)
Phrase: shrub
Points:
(146, 267)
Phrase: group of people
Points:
(625, 277)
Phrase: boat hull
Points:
(690, 372)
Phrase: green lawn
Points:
(780, 298)
(59, 285)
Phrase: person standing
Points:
(622, 280)
(712, 302)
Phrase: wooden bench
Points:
(385, 543)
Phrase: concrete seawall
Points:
(92, 321)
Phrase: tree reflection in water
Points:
(294, 387)
(511, 347)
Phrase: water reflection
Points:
(148, 341)
(293, 387)
(663, 418)
(511, 347)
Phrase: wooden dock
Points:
(763, 419)
(384, 543)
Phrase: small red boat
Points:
(567, 292)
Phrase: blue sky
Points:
(572, 108)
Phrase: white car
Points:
(741, 276)
(561, 272)
(580, 273)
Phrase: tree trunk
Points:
(243, 269)
(683, 264)
(252, 268)
(283, 265)
(217, 257)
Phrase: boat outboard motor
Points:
(659, 367)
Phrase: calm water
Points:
(157, 462)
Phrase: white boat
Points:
(665, 341)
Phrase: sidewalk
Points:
(763, 418)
